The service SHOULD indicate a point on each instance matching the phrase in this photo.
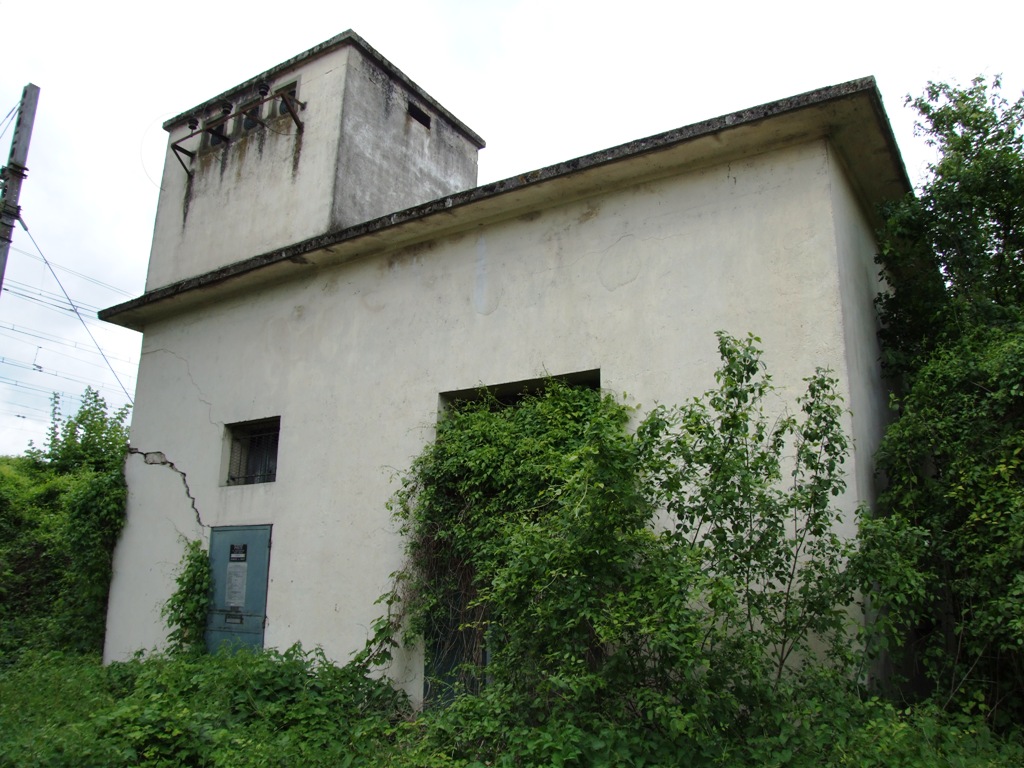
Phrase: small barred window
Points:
(253, 451)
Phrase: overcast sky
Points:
(541, 81)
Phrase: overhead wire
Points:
(78, 360)
(46, 342)
(42, 301)
(54, 339)
(80, 275)
(44, 393)
(41, 343)
(61, 307)
(37, 300)
(16, 428)
(21, 364)
(77, 313)
(8, 120)
(20, 415)
(33, 388)
(49, 295)
(36, 391)
(26, 412)
(26, 407)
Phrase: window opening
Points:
(216, 129)
(251, 118)
(514, 391)
(286, 94)
(253, 457)
(289, 103)
(458, 651)
(419, 115)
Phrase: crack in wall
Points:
(158, 458)
(201, 396)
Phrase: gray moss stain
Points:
(234, 154)
(296, 154)
(589, 212)
(384, 83)
(240, 148)
(224, 157)
(189, 178)
(413, 250)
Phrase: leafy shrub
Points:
(46, 702)
(295, 708)
(61, 511)
(242, 709)
(186, 610)
(953, 336)
(955, 462)
(566, 627)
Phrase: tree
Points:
(954, 253)
(954, 342)
(61, 511)
(91, 439)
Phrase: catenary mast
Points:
(15, 171)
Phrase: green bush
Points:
(295, 708)
(61, 511)
(565, 626)
(951, 595)
(47, 700)
(240, 709)
(186, 610)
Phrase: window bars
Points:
(254, 452)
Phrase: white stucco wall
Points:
(861, 282)
(634, 282)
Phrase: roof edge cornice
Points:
(131, 313)
(348, 37)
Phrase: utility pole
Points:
(12, 174)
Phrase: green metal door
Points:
(240, 559)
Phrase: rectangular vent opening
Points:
(419, 115)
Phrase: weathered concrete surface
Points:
(387, 159)
(357, 155)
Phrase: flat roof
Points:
(347, 37)
(850, 115)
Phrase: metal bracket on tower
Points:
(292, 105)
(215, 128)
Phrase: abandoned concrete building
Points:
(324, 270)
